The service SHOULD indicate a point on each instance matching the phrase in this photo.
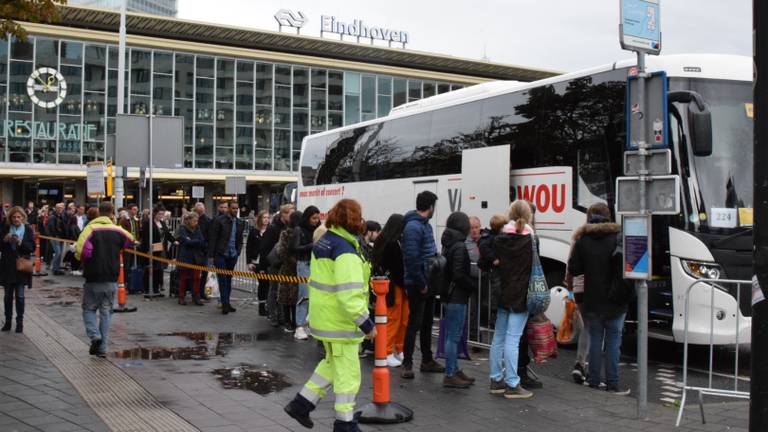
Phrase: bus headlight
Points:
(702, 270)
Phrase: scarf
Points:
(18, 232)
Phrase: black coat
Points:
(253, 245)
(57, 226)
(301, 247)
(204, 224)
(191, 246)
(461, 285)
(218, 239)
(592, 255)
(8, 273)
(515, 254)
(269, 240)
(159, 235)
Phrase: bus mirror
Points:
(700, 120)
(701, 130)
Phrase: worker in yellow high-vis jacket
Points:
(338, 316)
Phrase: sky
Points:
(563, 35)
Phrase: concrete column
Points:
(6, 190)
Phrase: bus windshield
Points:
(725, 177)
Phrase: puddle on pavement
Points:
(207, 345)
(250, 377)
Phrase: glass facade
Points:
(239, 114)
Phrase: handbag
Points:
(24, 265)
(538, 293)
(541, 339)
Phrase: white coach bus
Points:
(559, 143)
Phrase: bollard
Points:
(382, 409)
(38, 258)
(121, 293)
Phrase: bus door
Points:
(484, 186)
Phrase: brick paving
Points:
(191, 391)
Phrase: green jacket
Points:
(338, 289)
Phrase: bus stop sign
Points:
(653, 112)
(640, 26)
(662, 195)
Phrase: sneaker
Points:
(393, 362)
(517, 393)
(455, 382)
(432, 367)
(578, 374)
(76, 273)
(407, 372)
(95, 346)
(288, 328)
(528, 381)
(300, 334)
(463, 376)
(400, 356)
(498, 387)
(615, 390)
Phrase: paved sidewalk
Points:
(171, 351)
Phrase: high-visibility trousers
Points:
(339, 369)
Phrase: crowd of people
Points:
(338, 257)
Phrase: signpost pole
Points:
(642, 285)
(120, 190)
(151, 228)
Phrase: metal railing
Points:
(480, 320)
(732, 392)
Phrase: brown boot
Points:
(455, 382)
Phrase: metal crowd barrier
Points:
(709, 389)
(481, 319)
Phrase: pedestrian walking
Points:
(252, 249)
(98, 248)
(191, 251)
(595, 263)
(56, 228)
(514, 248)
(225, 243)
(388, 261)
(18, 243)
(338, 307)
(418, 248)
(458, 288)
(302, 248)
(288, 292)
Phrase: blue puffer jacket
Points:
(418, 246)
(191, 246)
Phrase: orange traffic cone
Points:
(121, 293)
(382, 410)
(38, 258)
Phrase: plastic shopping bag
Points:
(212, 286)
(567, 333)
(541, 338)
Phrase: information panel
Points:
(641, 25)
(637, 247)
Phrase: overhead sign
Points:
(653, 112)
(640, 26)
(288, 18)
(198, 192)
(132, 142)
(637, 246)
(234, 185)
(657, 162)
(95, 179)
(662, 195)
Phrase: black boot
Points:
(262, 309)
(6, 326)
(19, 327)
(340, 426)
(299, 408)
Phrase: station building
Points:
(248, 97)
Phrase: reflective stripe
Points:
(345, 416)
(310, 395)
(319, 381)
(381, 319)
(336, 287)
(380, 363)
(362, 319)
(345, 398)
(337, 334)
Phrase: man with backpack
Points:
(418, 248)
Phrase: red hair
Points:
(346, 214)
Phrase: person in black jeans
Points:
(252, 251)
(418, 247)
(160, 236)
(224, 245)
(204, 225)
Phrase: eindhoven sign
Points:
(331, 24)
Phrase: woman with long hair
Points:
(288, 292)
(302, 249)
(17, 240)
(191, 251)
(160, 236)
(514, 249)
(387, 260)
(252, 248)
